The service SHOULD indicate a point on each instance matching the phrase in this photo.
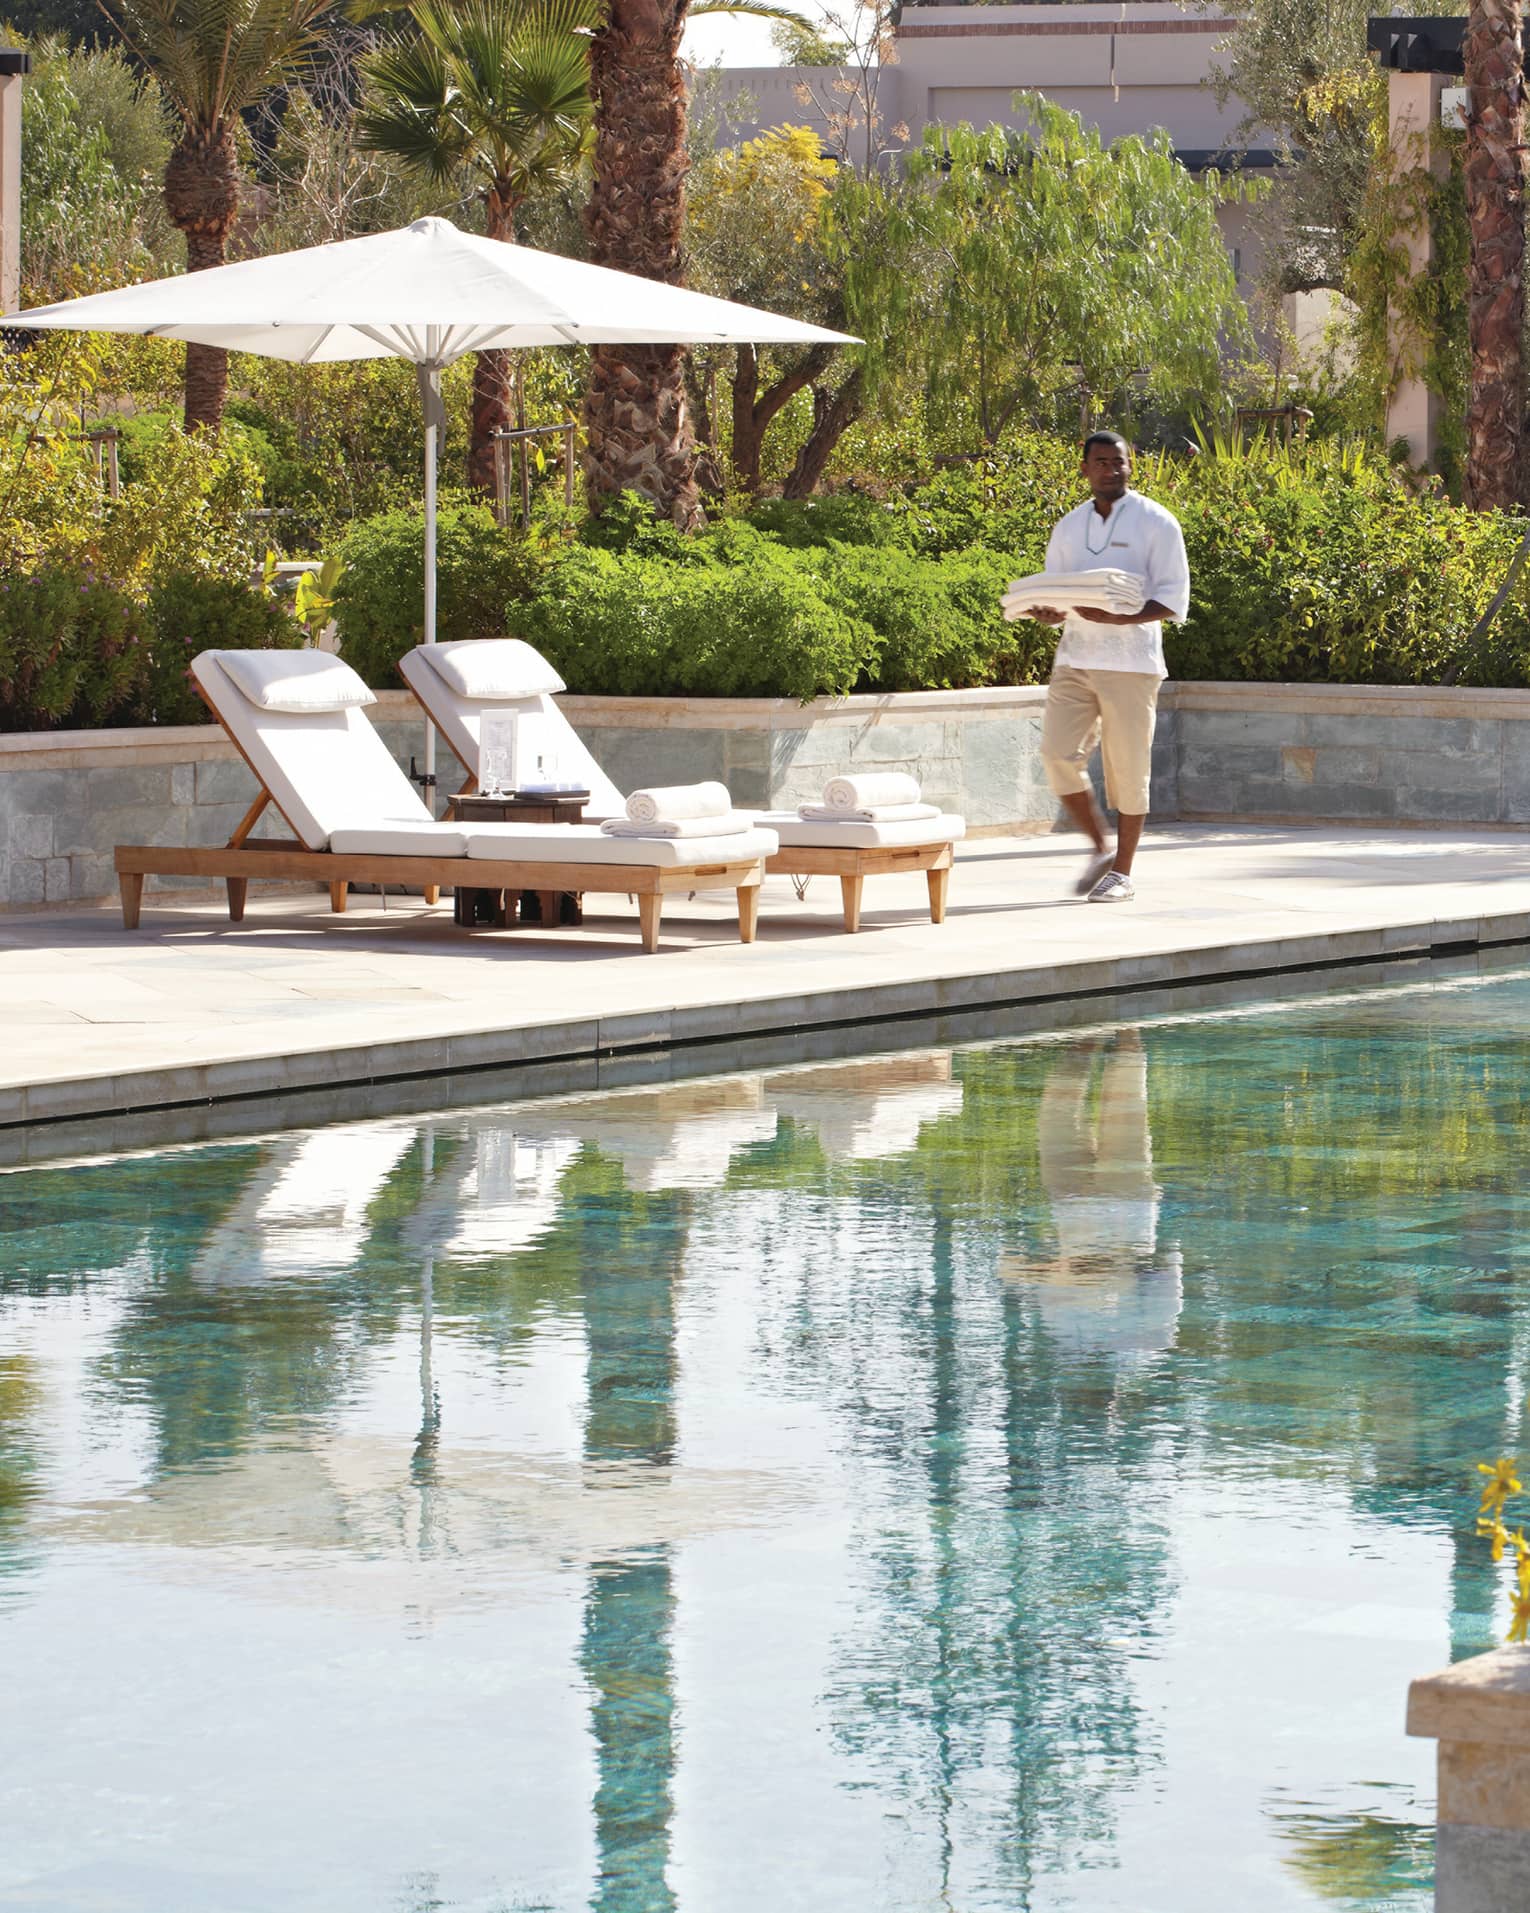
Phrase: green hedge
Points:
(1307, 564)
(379, 603)
(78, 652)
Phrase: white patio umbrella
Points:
(427, 293)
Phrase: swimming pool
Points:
(1021, 1477)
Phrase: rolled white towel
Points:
(675, 801)
(869, 790)
(727, 823)
(869, 814)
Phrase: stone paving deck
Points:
(192, 1013)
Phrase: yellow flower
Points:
(1521, 1619)
(1491, 1528)
(1501, 1483)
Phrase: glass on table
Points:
(493, 770)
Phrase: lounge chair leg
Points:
(130, 883)
(939, 881)
(338, 892)
(238, 889)
(550, 904)
(432, 893)
(748, 911)
(850, 892)
(649, 906)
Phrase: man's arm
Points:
(1151, 610)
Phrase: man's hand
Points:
(1151, 610)
(1045, 614)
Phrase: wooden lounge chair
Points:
(460, 684)
(296, 718)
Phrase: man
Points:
(1109, 664)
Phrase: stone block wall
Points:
(1335, 753)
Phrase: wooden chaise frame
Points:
(852, 864)
(290, 861)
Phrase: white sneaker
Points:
(1112, 888)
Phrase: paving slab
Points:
(191, 1010)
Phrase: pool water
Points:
(1018, 1477)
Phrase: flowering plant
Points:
(1501, 1487)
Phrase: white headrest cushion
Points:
(301, 682)
(490, 670)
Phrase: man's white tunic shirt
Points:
(1139, 536)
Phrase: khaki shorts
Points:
(1116, 710)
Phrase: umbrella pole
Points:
(429, 377)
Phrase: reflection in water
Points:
(684, 1136)
(835, 1489)
(1355, 1859)
(1107, 1288)
(304, 1213)
(627, 1650)
(865, 1112)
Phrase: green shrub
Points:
(1322, 564)
(379, 605)
(70, 650)
(78, 652)
(938, 619)
(187, 614)
(630, 626)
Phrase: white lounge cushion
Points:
(492, 670)
(794, 831)
(543, 730)
(398, 837)
(327, 770)
(295, 681)
(585, 844)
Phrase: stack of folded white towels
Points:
(1107, 590)
(680, 810)
(876, 797)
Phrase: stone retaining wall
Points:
(1252, 753)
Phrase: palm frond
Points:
(497, 86)
(753, 9)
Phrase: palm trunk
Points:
(637, 426)
(491, 370)
(206, 365)
(1494, 179)
(202, 199)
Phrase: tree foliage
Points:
(1305, 80)
(95, 139)
(1017, 262)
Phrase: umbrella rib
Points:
(387, 337)
(308, 356)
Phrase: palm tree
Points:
(498, 89)
(1493, 172)
(212, 58)
(637, 426)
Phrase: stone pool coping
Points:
(195, 1027)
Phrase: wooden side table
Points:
(519, 807)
